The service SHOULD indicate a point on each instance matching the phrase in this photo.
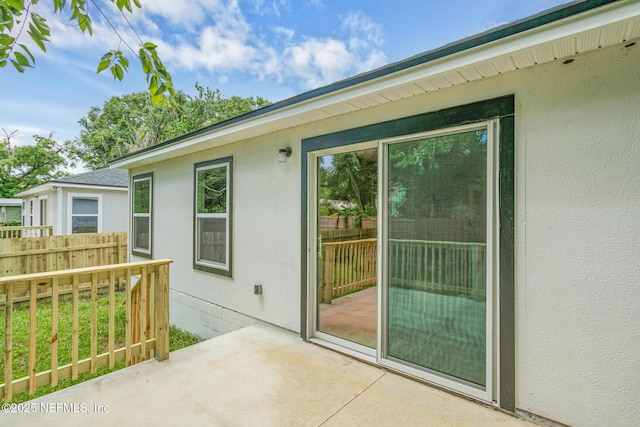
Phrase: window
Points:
(85, 213)
(142, 205)
(43, 210)
(212, 228)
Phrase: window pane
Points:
(212, 235)
(84, 224)
(141, 232)
(141, 192)
(436, 254)
(212, 190)
(85, 205)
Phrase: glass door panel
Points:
(436, 244)
(347, 227)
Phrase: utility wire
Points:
(114, 29)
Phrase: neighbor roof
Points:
(109, 179)
(101, 177)
(558, 33)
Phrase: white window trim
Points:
(222, 268)
(70, 197)
(46, 210)
(134, 248)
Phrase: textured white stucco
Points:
(577, 252)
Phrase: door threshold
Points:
(370, 360)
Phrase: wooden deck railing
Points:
(53, 253)
(455, 268)
(152, 311)
(347, 267)
(26, 231)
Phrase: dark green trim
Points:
(506, 188)
(210, 268)
(304, 295)
(457, 116)
(517, 27)
(134, 251)
(499, 108)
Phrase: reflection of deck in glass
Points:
(437, 306)
(352, 317)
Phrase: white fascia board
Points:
(89, 187)
(590, 20)
(49, 186)
(35, 190)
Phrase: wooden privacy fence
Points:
(454, 268)
(347, 267)
(152, 325)
(27, 231)
(52, 253)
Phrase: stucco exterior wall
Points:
(577, 232)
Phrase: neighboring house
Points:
(90, 202)
(10, 209)
(535, 132)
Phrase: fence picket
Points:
(32, 335)
(94, 322)
(74, 328)
(8, 343)
(112, 318)
(54, 332)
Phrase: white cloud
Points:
(317, 4)
(269, 7)
(215, 35)
(185, 14)
(317, 62)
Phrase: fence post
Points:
(162, 313)
(328, 256)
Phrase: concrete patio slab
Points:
(257, 376)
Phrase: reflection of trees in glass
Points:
(212, 190)
(443, 176)
(352, 178)
(141, 196)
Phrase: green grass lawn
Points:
(177, 339)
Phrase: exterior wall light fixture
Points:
(283, 154)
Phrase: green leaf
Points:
(17, 66)
(28, 52)
(150, 46)
(58, 5)
(22, 60)
(107, 56)
(16, 4)
(39, 41)
(119, 72)
(6, 40)
(41, 24)
(3, 63)
(104, 64)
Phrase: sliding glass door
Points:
(403, 268)
(438, 218)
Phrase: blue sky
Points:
(269, 48)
